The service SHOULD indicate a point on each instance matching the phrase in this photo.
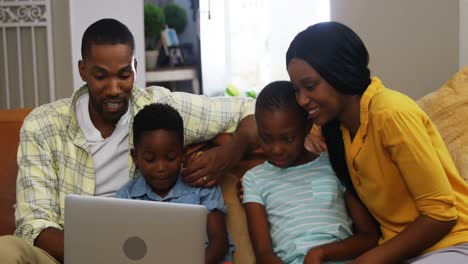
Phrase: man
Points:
(80, 145)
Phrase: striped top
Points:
(304, 204)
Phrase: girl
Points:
(297, 210)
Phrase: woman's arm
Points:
(260, 234)
(419, 235)
(366, 236)
(217, 237)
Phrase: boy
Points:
(296, 207)
(158, 153)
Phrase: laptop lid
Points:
(111, 230)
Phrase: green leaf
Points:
(231, 90)
(251, 94)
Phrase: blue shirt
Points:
(304, 204)
(138, 189)
(211, 198)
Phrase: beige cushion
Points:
(448, 109)
(236, 221)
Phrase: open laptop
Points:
(111, 230)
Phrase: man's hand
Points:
(205, 167)
(314, 141)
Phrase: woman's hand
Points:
(371, 258)
(314, 256)
(315, 142)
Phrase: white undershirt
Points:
(110, 155)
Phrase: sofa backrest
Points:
(10, 124)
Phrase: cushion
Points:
(448, 109)
(10, 124)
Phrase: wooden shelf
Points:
(175, 74)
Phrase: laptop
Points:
(112, 230)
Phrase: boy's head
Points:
(108, 66)
(158, 138)
(282, 125)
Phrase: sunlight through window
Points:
(244, 42)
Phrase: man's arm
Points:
(217, 237)
(366, 236)
(204, 118)
(260, 234)
(216, 161)
(51, 241)
(36, 215)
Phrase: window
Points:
(244, 42)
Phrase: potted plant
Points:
(176, 17)
(154, 23)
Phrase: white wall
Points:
(463, 33)
(413, 45)
(85, 12)
(213, 46)
(287, 19)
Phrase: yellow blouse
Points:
(401, 167)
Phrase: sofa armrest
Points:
(10, 124)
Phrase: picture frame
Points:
(171, 46)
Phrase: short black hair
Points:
(107, 31)
(279, 95)
(158, 116)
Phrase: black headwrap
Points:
(336, 53)
(340, 57)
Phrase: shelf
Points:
(175, 74)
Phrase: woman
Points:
(383, 147)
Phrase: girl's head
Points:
(158, 138)
(282, 125)
(327, 63)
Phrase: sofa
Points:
(447, 107)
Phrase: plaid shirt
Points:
(54, 159)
